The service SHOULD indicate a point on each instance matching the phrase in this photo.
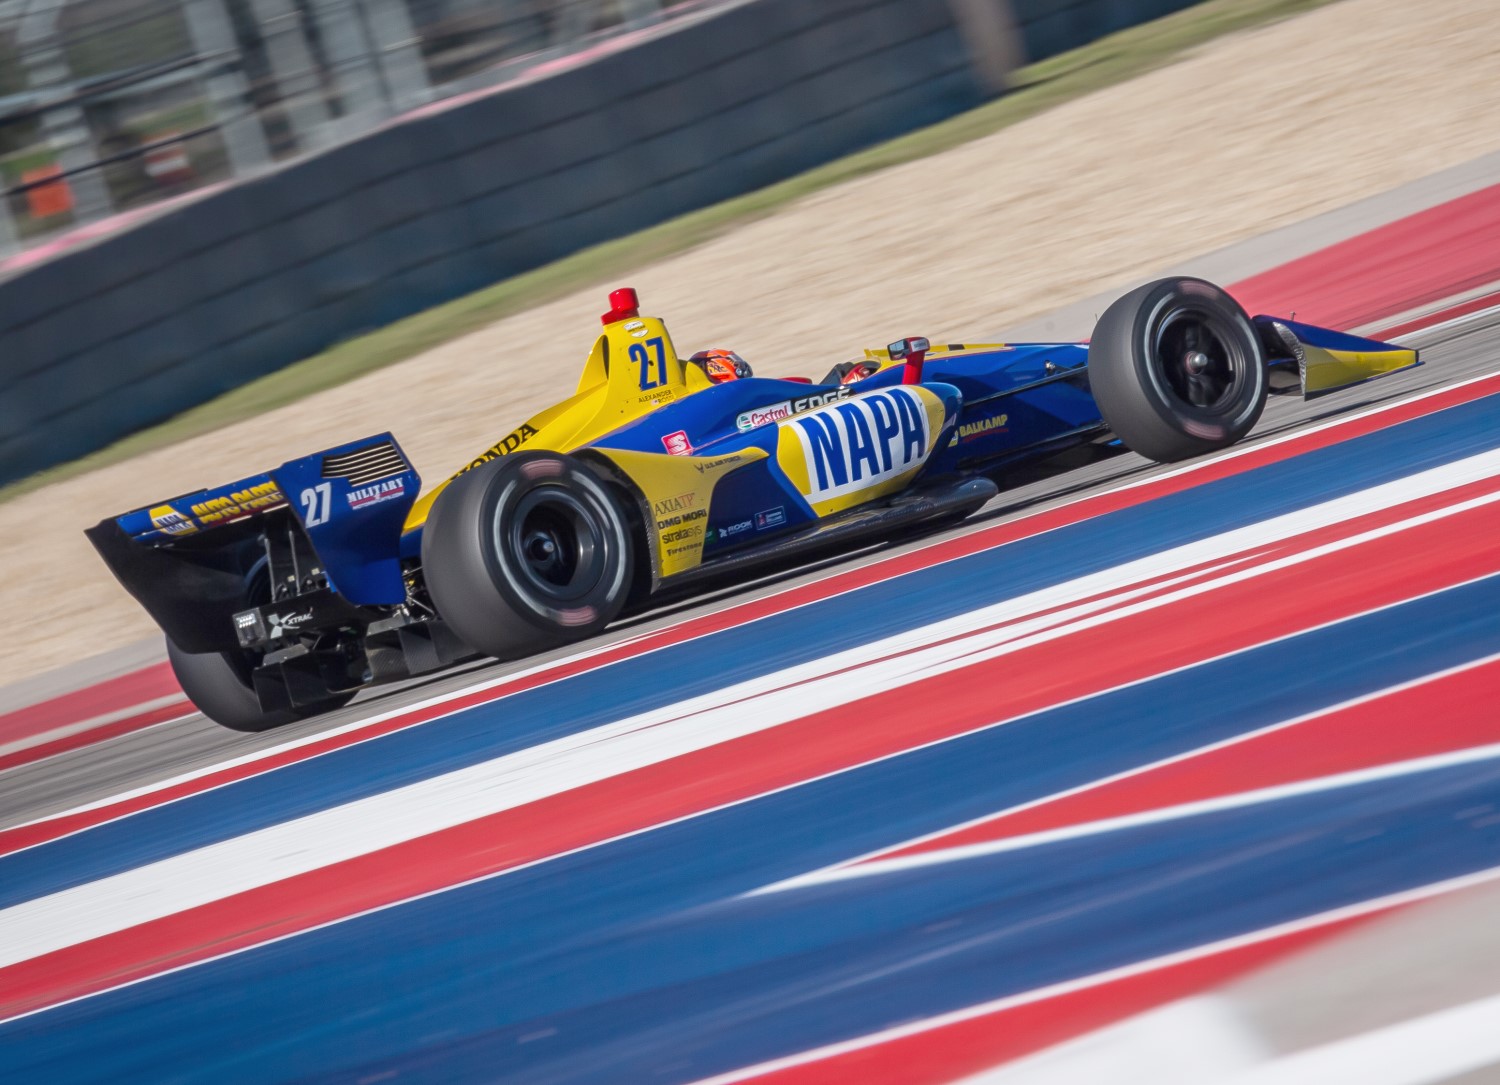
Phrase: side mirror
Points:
(908, 347)
(914, 351)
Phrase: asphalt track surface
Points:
(142, 758)
(713, 931)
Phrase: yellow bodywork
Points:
(797, 458)
(938, 350)
(632, 370)
(1324, 370)
(679, 490)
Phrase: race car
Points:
(283, 594)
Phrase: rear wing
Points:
(188, 560)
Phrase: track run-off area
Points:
(901, 821)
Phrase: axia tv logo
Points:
(862, 441)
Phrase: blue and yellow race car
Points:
(283, 594)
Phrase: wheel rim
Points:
(555, 543)
(1200, 360)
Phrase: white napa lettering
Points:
(887, 426)
(913, 427)
(827, 452)
(872, 437)
(861, 445)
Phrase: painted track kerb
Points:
(1153, 817)
(931, 553)
(156, 890)
(1329, 918)
(1094, 607)
(95, 722)
(887, 858)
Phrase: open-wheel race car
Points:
(285, 593)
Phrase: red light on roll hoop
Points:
(623, 305)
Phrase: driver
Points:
(721, 365)
(852, 372)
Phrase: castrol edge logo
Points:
(776, 412)
(861, 441)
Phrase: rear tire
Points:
(1177, 369)
(527, 552)
(218, 683)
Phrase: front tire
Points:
(218, 683)
(527, 552)
(1177, 369)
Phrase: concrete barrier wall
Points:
(1049, 27)
(105, 340)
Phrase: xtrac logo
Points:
(862, 441)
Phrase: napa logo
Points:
(167, 519)
(862, 441)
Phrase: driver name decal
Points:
(862, 441)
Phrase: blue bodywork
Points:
(1003, 405)
(194, 556)
(353, 521)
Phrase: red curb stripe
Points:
(949, 1052)
(1226, 466)
(113, 729)
(1441, 316)
(1425, 257)
(138, 687)
(1456, 713)
(1276, 605)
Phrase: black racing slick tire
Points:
(218, 684)
(1177, 369)
(527, 552)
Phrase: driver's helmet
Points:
(722, 365)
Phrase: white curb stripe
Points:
(344, 832)
(101, 720)
(880, 859)
(1251, 447)
(1156, 964)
